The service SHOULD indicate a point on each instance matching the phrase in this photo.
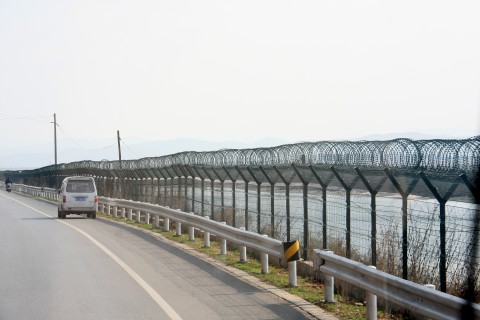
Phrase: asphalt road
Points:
(81, 268)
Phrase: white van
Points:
(78, 195)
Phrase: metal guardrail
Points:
(48, 193)
(411, 296)
(241, 237)
(262, 243)
(245, 239)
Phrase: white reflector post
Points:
(264, 258)
(206, 236)
(292, 273)
(371, 304)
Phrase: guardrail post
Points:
(191, 230)
(430, 286)
(329, 289)
(129, 213)
(223, 244)
(191, 233)
(264, 259)
(292, 273)
(371, 304)
(166, 224)
(206, 236)
(147, 218)
(115, 208)
(179, 228)
(108, 209)
(156, 221)
(243, 251)
(138, 216)
(123, 212)
(329, 282)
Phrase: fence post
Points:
(193, 193)
(306, 229)
(212, 196)
(348, 219)
(404, 194)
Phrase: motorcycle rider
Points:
(8, 184)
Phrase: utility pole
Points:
(119, 150)
(122, 190)
(55, 142)
(55, 136)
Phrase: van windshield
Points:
(80, 186)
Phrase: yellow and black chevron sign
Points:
(291, 250)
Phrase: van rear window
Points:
(80, 186)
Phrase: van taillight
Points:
(64, 199)
(96, 199)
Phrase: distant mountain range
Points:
(37, 156)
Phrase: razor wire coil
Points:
(432, 155)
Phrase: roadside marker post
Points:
(292, 254)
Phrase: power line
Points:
(136, 155)
(81, 146)
(31, 118)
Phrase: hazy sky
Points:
(237, 70)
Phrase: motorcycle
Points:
(9, 187)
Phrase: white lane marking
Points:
(154, 294)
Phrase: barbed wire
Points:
(442, 156)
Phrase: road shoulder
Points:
(304, 306)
